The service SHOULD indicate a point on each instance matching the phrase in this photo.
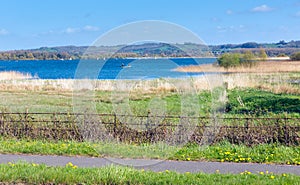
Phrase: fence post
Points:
(286, 134)
(278, 130)
(115, 125)
(246, 138)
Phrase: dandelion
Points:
(167, 171)
(69, 164)
(284, 175)
(222, 160)
(188, 159)
(11, 164)
(187, 173)
(272, 177)
(261, 173)
(74, 167)
(217, 171)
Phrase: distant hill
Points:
(148, 50)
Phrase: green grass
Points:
(260, 102)
(71, 174)
(265, 153)
(240, 102)
(226, 152)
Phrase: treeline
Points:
(281, 48)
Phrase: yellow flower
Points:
(188, 159)
(272, 177)
(11, 164)
(167, 171)
(261, 173)
(74, 167)
(217, 171)
(227, 153)
(284, 175)
(187, 172)
(142, 170)
(222, 160)
(69, 164)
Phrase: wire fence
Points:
(141, 129)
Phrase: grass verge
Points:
(265, 153)
(70, 174)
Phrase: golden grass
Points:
(261, 67)
(10, 75)
(272, 81)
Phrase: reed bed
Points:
(277, 83)
(261, 67)
(9, 75)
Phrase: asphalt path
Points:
(151, 164)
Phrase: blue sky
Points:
(35, 23)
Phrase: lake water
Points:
(104, 69)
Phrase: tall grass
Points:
(278, 83)
(9, 75)
(261, 67)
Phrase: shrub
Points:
(247, 59)
(295, 56)
(228, 60)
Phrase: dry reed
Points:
(261, 67)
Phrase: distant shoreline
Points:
(134, 58)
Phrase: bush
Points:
(229, 60)
(295, 56)
(247, 59)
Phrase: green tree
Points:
(229, 60)
(262, 55)
(295, 56)
(248, 59)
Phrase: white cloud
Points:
(262, 8)
(239, 28)
(90, 28)
(71, 30)
(3, 31)
(229, 12)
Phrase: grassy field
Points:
(239, 102)
(264, 153)
(71, 174)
